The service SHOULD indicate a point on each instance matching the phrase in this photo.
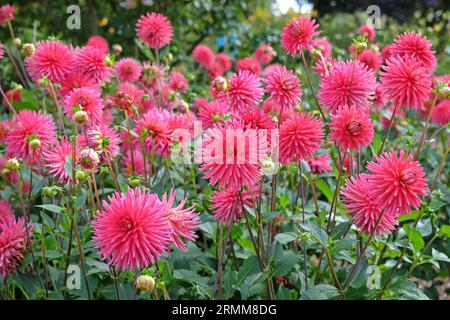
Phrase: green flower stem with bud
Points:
(425, 129)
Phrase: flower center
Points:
(407, 177)
(127, 224)
(354, 127)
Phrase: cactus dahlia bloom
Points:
(85, 99)
(283, 86)
(412, 44)
(441, 113)
(183, 221)
(298, 35)
(300, 137)
(5, 210)
(244, 89)
(368, 32)
(27, 126)
(351, 128)
(230, 156)
(224, 61)
(360, 200)
(349, 83)
(155, 30)
(397, 182)
(56, 158)
(320, 164)
(128, 70)
(157, 135)
(249, 64)
(203, 55)
(178, 82)
(2, 52)
(371, 59)
(132, 231)
(406, 82)
(90, 61)
(99, 42)
(53, 59)
(6, 14)
(13, 244)
(265, 53)
(213, 113)
(228, 205)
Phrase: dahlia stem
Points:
(111, 169)
(308, 75)
(16, 68)
(43, 246)
(144, 160)
(425, 129)
(5, 98)
(336, 192)
(394, 112)
(305, 262)
(94, 182)
(91, 195)
(400, 258)
(361, 254)
(58, 108)
(314, 193)
(438, 173)
(130, 141)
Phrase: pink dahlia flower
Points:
(265, 53)
(351, 128)
(368, 32)
(397, 182)
(412, 44)
(128, 70)
(300, 137)
(14, 244)
(349, 83)
(99, 42)
(6, 14)
(298, 35)
(405, 82)
(320, 164)
(228, 205)
(89, 100)
(249, 64)
(203, 55)
(213, 113)
(53, 59)
(231, 155)
(323, 45)
(103, 139)
(441, 113)
(386, 52)
(244, 90)
(379, 98)
(6, 212)
(89, 61)
(158, 136)
(56, 158)
(155, 30)
(132, 231)
(27, 126)
(360, 200)
(2, 52)
(178, 82)
(183, 221)
(74, 80)
(256, 118)
(224, 61)
(283, 86)
(371, 59)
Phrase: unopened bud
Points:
(17, 42)
(81, 175)
(44, 82)
(360, 47)
(267, 167)
(12, 164)
(108, 61)
(28, 49)
(117, 49)
(220, 84)
(80, 117)
(88, 159)
(134, 182)
(35, 144)
(145, 283)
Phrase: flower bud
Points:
(44, 82)
(134, 182)
(108, 61)
(28, 49)
(220, 84)
(360, 47)
(35, 143)
(117, 49)
(94, 139)
(267, 167)
(12, 164)
(81, 175)
(88, 159)
(444, 92)
(80, 117)
(145, 283)
(17, 42)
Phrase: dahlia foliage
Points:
(183, 177)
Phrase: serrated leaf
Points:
(50, 207)
(320, 292)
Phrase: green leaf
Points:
(444, 231)
(415, 237)
(340, 230)
(342, 245)
(250, 266)
(317, 232)
(286, 237)
(325, 189)
(439, 256)
(435, 204)
(424, 227)
(361, 274)
(377, 141)
(405, 289)
(285, 264)
(50, 207)
(321, 292)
